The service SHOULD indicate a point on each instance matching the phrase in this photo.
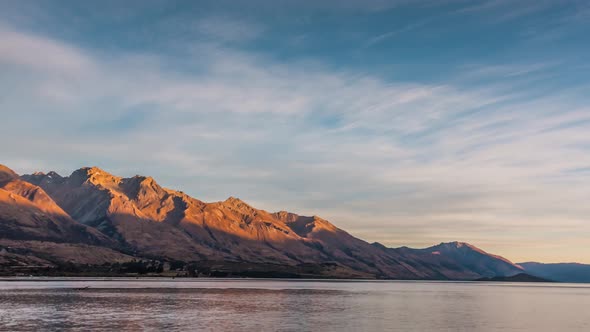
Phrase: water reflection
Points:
(291, 306)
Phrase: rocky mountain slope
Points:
(157, 222)
(35, 230)
(140, 218)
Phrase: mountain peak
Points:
(144, 178)
(53, 174)
(239, 205)
(6, 174)
(379, 245)
(466, 249)
(234, 201)
(145, 186)
(37, 178)
(50, 175)
(458, 245)
(286, 216)
(141, 180)
(92, 170)
(93, 175)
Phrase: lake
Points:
(290, 305)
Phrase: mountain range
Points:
(92, 218)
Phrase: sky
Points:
(403, 122)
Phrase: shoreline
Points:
(233, 279)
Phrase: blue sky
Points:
(403, 122)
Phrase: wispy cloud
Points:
(38, 53)
(228, 29)
(505, 9)
(393, 33)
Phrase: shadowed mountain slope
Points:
(28, 215)
(458, 260)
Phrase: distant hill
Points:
(521, 277)
(94, 217)
(458, 260)
(564, 272)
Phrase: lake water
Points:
(290, 305)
